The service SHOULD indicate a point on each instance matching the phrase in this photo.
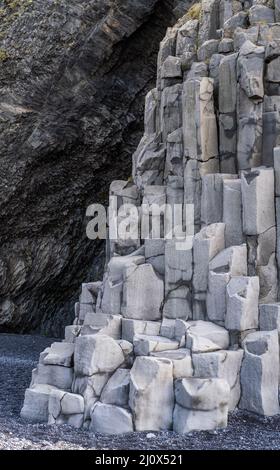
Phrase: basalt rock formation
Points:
(73, 77)
(177, 336)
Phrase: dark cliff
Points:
(73, 76)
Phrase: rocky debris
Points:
(196, 314)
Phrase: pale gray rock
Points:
(167, 328)
(186, 421)
(151, 397)
(261, 14)
(151, 108)
(202, 394)
(242, 35)
(177, 303)
(251, 69)
(270, 317)
(260, 373)
(273, 70)
(212, 198)
(36, 402)
(110, 419)
(103, 324)
(90, 388)
(232, 212)
(142, 294)
(174, 155)
(97, 354)
(226, 46)
(257, 189)
(178, 264)
(171, 110)
(227, 78)
(58, 376)
(207, 49)
(209, 20)
(60, 354)
(71, 333)
(171, 68)
(65, 404)
(250, 131)
(116, 391)
(203, 336)
(187, 38)
(148, 162)
(239, 20)
(224, 365)
(181, 360)
(242, 303)
(132, 327)
(207, 244)
(199, 120)
(229, 262)
(145, 344)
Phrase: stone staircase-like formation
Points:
(176, 339)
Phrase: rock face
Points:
(73, 77)
(184, 326)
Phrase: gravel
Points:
(19, 355)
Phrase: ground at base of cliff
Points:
(19, 355)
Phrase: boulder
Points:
(242, 303)
(116, 391)
(110, 419)
(144, 345)
(260, 373)
(36, 402)
(151, 396)
(97, 354)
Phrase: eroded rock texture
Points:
(73, 76)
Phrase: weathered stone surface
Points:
(177, 302)
(270, 317)
(60, 354)
(239, 20)
(228, 80)
(142, 294)
(207, 243)
(212, 198)
(257, 188)
(187, 38)
(209, 20)
(132, 327)
(260, 373)
(97, 353)
(148, 162)
(36, 402)
(65, 407)
(181, 360)
(58, 376)
(144, 344)
(207, 49)
(151, 397)
(90, 388)
(103, 324)
(202, 336)
(250, 131)
(116, 390)
(71, 333)
(229, 262)
(242, 303)
(224, 365)
(186, 421)
(110, 419)
(199, 120)
(261, 14)
(171, 68)
(171, 109)
(150, 118)
(251, 70)
(232, 212)
(202, 394)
